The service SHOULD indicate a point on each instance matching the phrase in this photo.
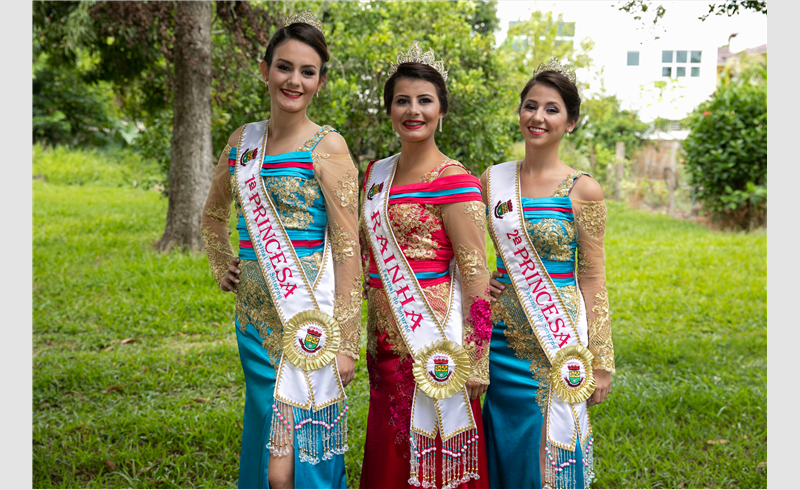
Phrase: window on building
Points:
(680, 56)
(633, 58)
(695, 71)
(696, 56)
(666, 71)
(666, 56)
(681, 71)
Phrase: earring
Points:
(316, 94)
(440, 124)
(568, 133)
(266, 83)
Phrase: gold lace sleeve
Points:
(467, 232)
(590, 218)
(338, 180)
(215, 219)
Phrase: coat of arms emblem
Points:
(310, 343)
(502, 208)
(248, 155)
(441, 368)
(375, 189)
(574, 375)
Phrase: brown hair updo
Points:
(419, 71)
(565, 88)
(305, 33)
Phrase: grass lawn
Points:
(137, 381)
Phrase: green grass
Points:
(135, 359)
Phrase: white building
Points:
(666, 78)
(662, 71)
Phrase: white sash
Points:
(448, 412)
(563, 341)
(305, 310)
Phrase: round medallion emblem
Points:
(311, 339)
(441, 369)
(571, 376)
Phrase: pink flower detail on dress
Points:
(479, 315)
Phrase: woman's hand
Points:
(347, 368)
(475, 389)
(231, 279)
(603, 380)
(496, 287)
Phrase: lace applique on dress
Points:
(413, 226)
(566, 185)
(523, 342)
(254, 308)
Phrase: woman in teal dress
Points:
(564, 216)
(309, 176)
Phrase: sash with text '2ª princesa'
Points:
(308, 386)
(441, 366)
(562, 340)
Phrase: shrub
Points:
(726, 150)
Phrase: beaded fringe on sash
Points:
(561, 467)
(324, 429)
(459, 460)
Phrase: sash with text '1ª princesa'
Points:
(563, 340)
(441, 366)
(309, 397)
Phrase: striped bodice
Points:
(416, 219)
(290, 182)
(550, 222)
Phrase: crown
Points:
(572, 367)
(441, 360)
(304, 17)
(556, 66)
(315, 331)
(415, 55)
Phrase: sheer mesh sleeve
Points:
(590, 217)
(338, 179)
(465, 224)
(216, 215)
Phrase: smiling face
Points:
(415, 109)
(543, 117)
(293, 75)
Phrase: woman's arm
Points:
(590, 220)
(465, 224)
(215, 218)
(338, 180)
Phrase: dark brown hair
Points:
(417, 71)
(561, 84)
(305, 33)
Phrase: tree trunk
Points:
(191, 162)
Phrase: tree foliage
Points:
(364, 37)
(726, 150)
(69, 111)
(727, 7)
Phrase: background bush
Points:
(726, 150)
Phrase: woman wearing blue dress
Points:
(562, 214)
(305, 172)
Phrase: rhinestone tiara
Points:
(415, 55)
(304, 17)
(556, 66)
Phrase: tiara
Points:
(554, 65)
(415, 55)
(304, 17)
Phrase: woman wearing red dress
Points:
(428, 325)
